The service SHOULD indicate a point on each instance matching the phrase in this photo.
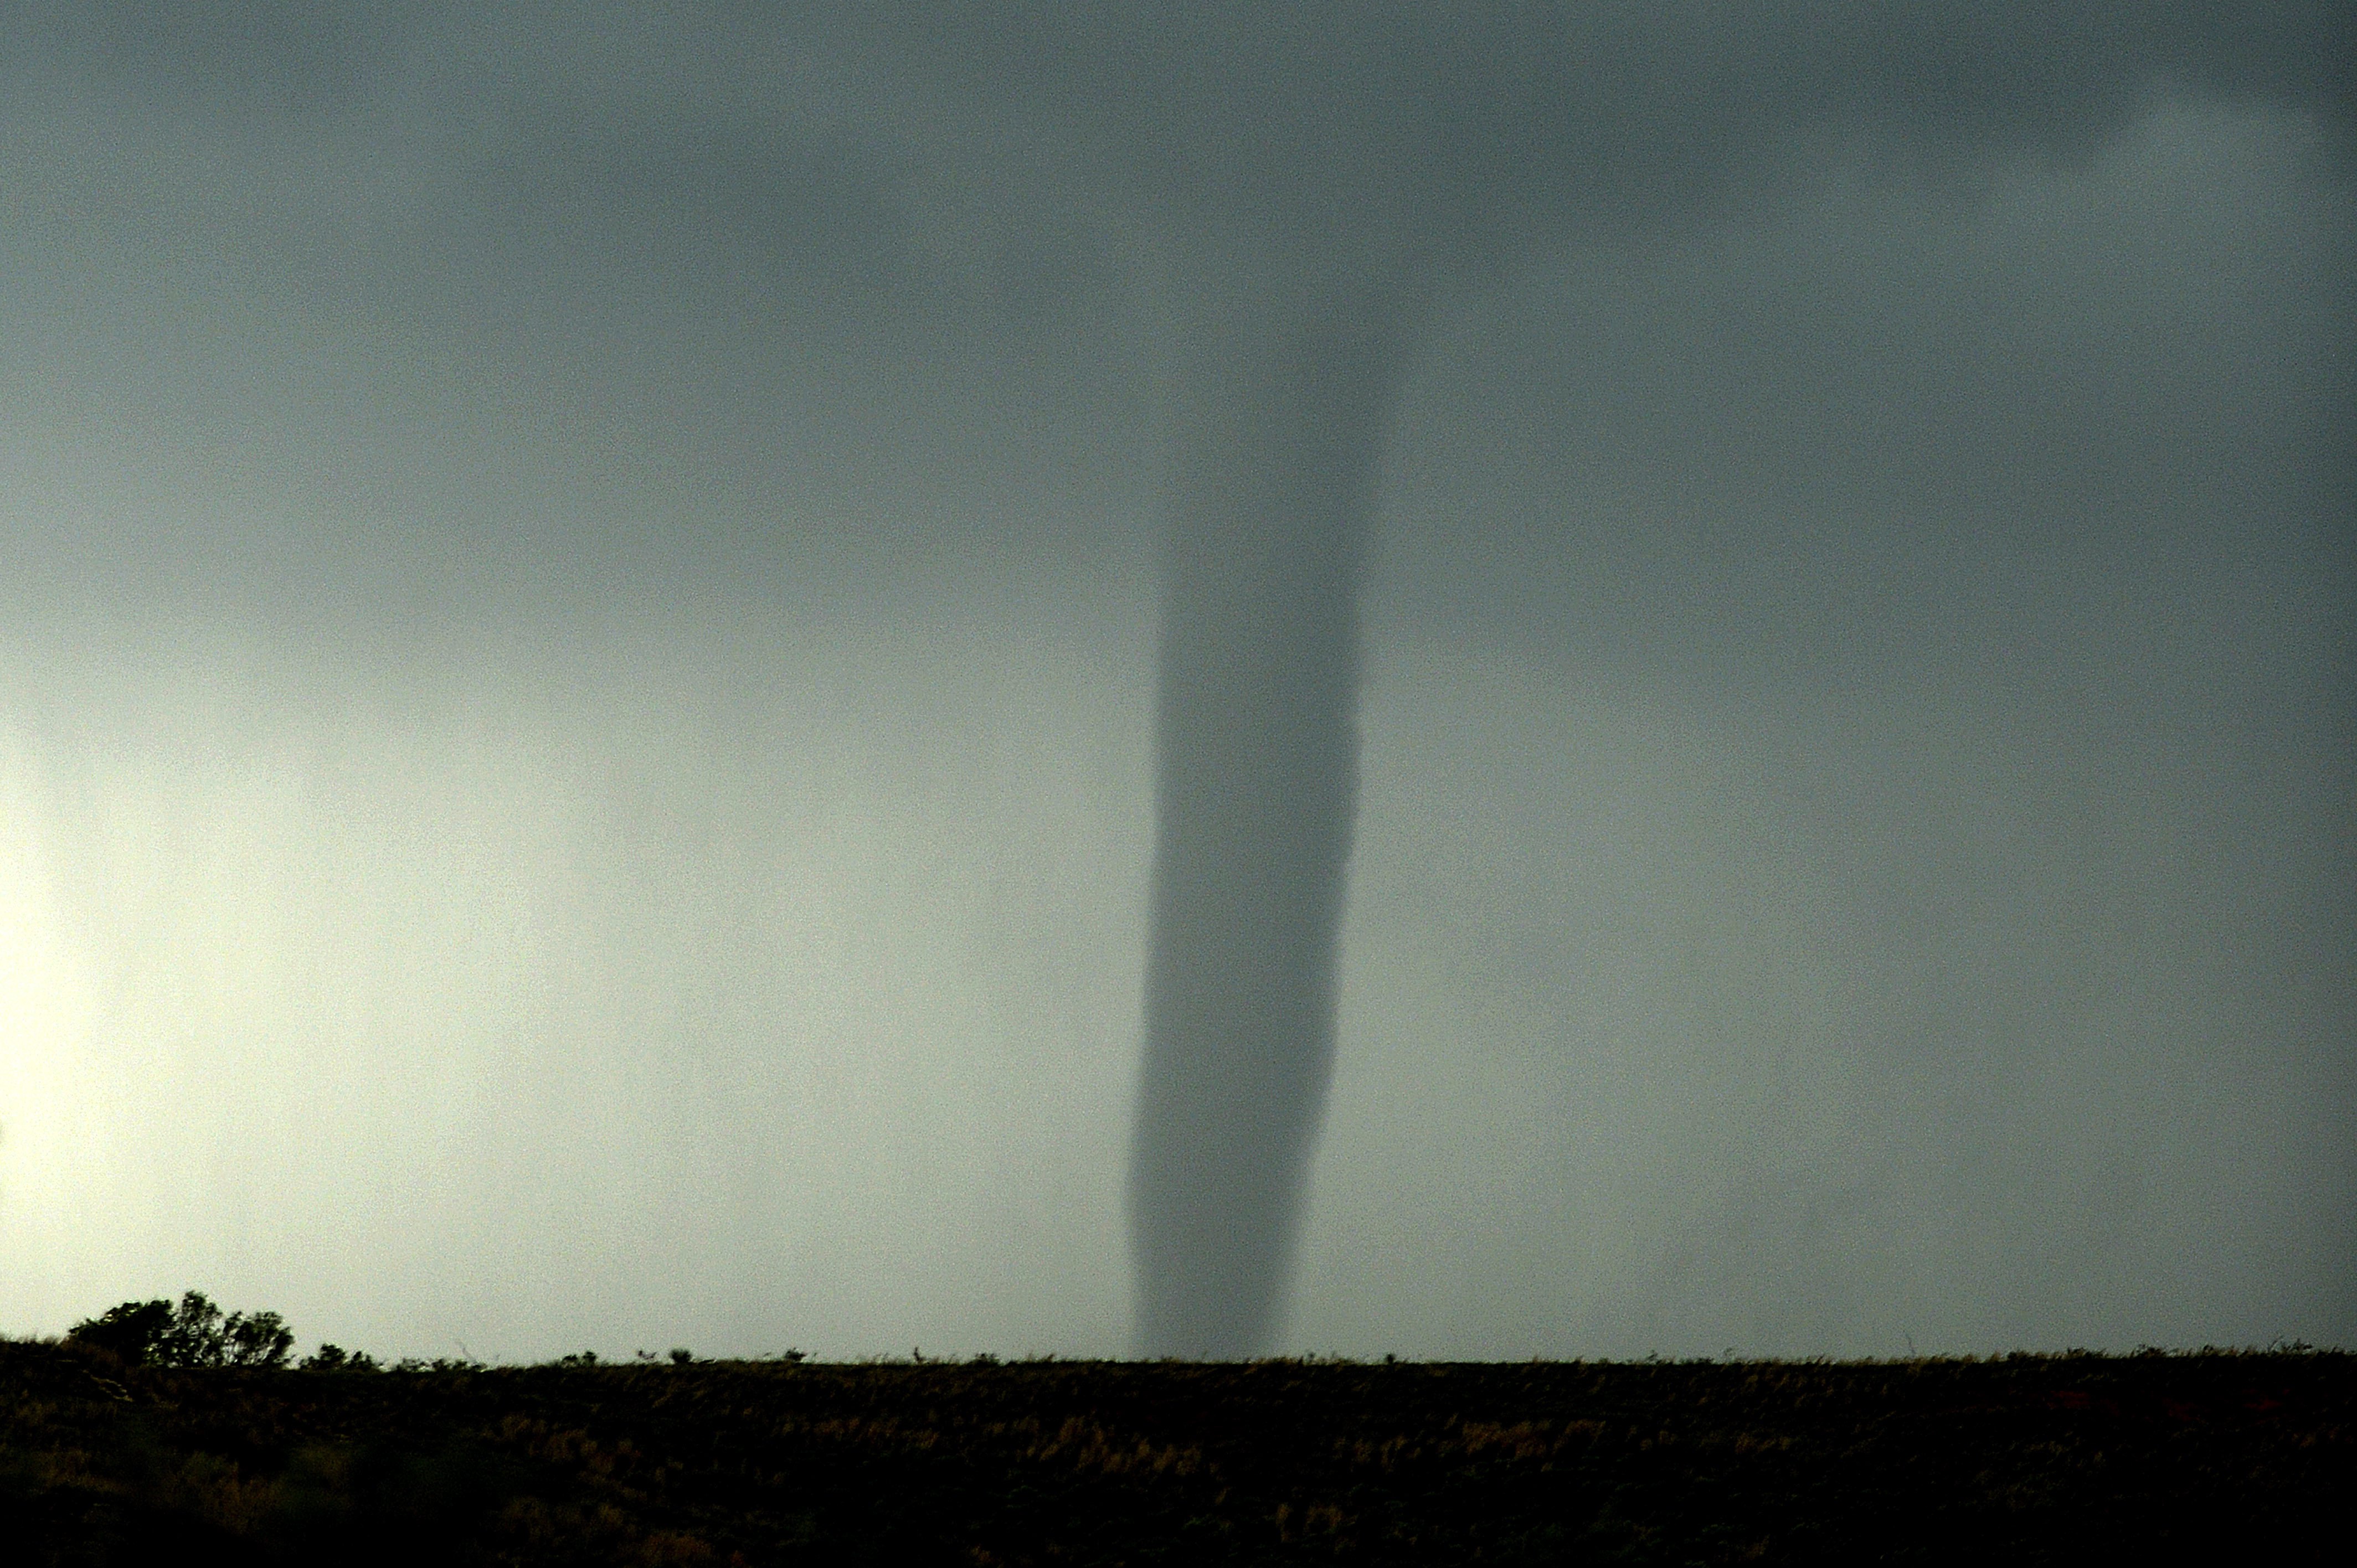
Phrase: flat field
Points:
(2238, 1456)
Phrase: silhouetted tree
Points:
(256, 1340)
(195, 1333)
(129, 1331)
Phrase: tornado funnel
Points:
(1275, 426)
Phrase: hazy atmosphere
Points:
(703, 674)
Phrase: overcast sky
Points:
(576, 652)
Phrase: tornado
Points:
(1276, 420)
(1302, 173)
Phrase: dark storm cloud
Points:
(692, 145)
(1420, 133)
(239, 58)
(1448, 134)
(485, 290)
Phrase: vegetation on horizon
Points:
(194, 1334)
(190, 1453)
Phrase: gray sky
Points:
(577, 620)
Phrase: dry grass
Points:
(2242, 1457)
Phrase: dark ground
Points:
(2237, 1457)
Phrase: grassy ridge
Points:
(2245, 1456)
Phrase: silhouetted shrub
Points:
(195, 1333)
(129, 1331)
(336, 1358)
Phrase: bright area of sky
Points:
(576, 769)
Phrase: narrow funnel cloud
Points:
(1377, 156)
(1279, 420)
